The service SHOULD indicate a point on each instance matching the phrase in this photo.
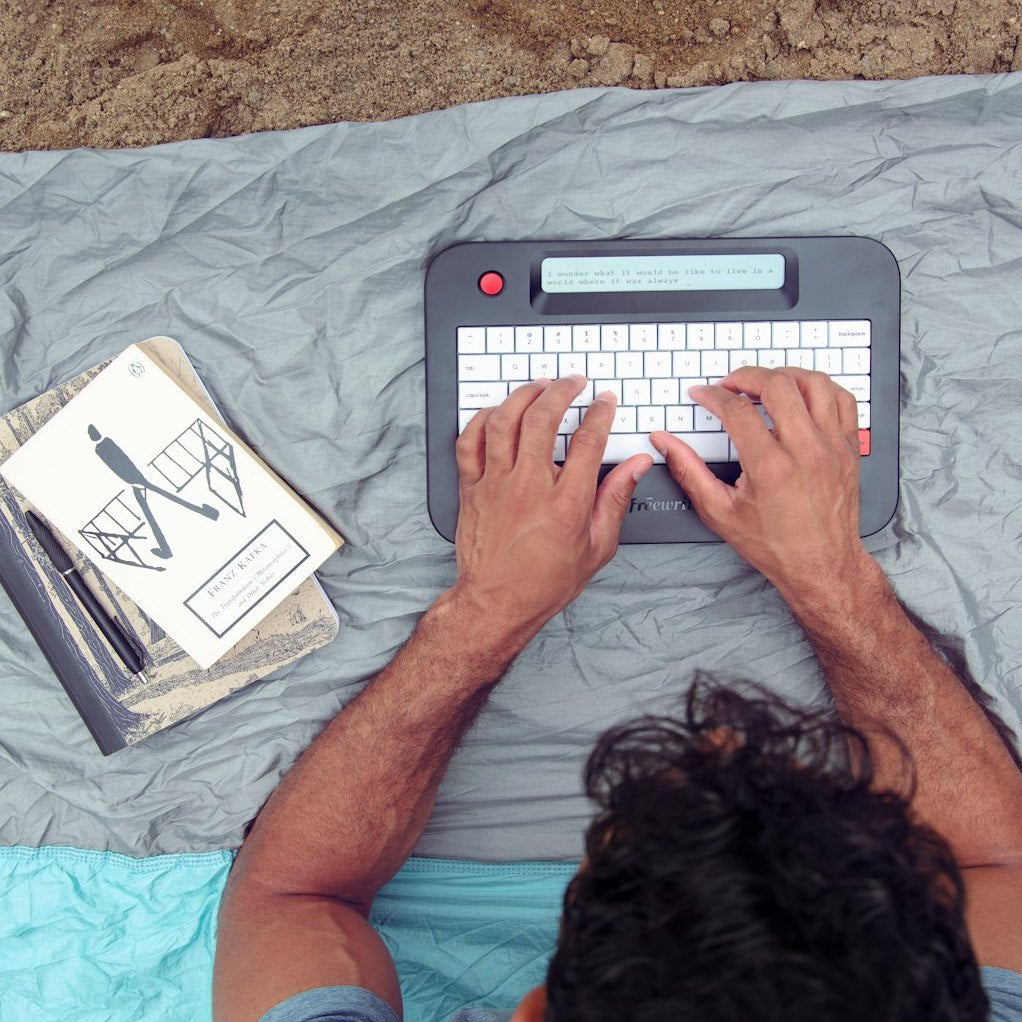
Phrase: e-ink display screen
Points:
(598, 274)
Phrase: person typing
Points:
(737, 867)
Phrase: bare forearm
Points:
(883, 673)
(372, 774)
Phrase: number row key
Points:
(586, 337)
(658, 364)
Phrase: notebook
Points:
(648, 319)
(118, 709)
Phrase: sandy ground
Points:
(136, 72)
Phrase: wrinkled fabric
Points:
(94, 937)
(91, 936)
(290, 267)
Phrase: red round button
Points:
(491, 283)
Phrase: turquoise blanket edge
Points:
(90, 935)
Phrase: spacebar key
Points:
(624, 445)
(709, 446)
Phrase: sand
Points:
(136, 73)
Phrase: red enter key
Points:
(863, 442)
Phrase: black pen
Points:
(60, 560)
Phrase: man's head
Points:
(736, 871)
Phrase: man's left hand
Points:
(531, 534)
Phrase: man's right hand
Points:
(793, 513)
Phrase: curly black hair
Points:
(738, 871)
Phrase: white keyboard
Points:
(650, 366)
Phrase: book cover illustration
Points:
(119, 531)
(119, 708)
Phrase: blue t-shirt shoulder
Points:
(332, 1004)
(353, 1004)
(1004, 989)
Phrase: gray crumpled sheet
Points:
(290, 266)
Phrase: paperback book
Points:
(198, 550)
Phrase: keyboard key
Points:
(649, 417)
(712, 363)
(471, 340)
(643, 337)
(629, 364)
(858, 385)
(683, 386)
(624, 420)
(689, 363)
(481, 395)
(601, 365)
(664, 392)
(528, 339)
(728, 335)
(514, 367)
(543, 365)
(863, 442)
(854, 333)
(706, 421)
(756, 335)
(856, 360)
(560, 447)
(569, 423)
(465, 416)
(672, 336)
(657, 364)
(679, 419)
(612, 385)
(709, 446)
(700, 336)
(814, 334)
(614, 337)
(785, 335)
(771, 358)
(863, 407)
(478, 367)
(557, 338)
(569, 362)
(500, 340)
(585, 398)
(741, 358)
(585, 337)
(828, 360)
(624, 445)
(635, 392)
(801, 357)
